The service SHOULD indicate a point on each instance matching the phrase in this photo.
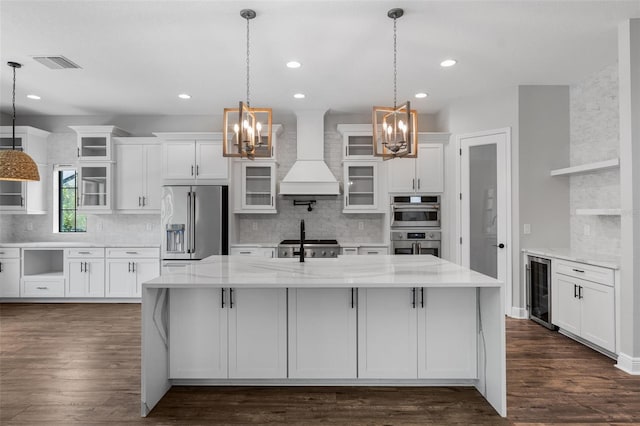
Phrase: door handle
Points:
(498, 245)
(413, 296)
(351, 297)
(86, 267)
(191, 170)
(580, 292)
(144, 201)
(81, 265)
(133, 269)
(575, 291)
(222, 297)
(418, 183)
(193, 223)
(197, 169)
(0, 266)
(413, 183)
(189, 221)
(422, 296)
(129, 269)
(139, 201)
(230, 298)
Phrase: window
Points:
(68, 219)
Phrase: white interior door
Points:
(485, 214)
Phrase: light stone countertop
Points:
(597, 259)
(68, 244)
(382, 271)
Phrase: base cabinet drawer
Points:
(584, 271)
(43, 288)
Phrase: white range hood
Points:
(310, 175)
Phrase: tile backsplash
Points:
(326, 220)
(594, 131)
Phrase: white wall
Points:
(484, 112)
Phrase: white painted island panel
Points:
(322, 333)
(258, 333)
(197, 334)
(387, 336)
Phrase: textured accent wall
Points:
(594, 137)
(326, 220)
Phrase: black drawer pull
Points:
(578, 270)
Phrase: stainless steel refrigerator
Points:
(194, 222)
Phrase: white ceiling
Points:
(136, 56)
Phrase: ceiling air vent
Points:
(55, 62)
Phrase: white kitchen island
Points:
(354, 320)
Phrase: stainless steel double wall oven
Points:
(415, 225)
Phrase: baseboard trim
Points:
(628, 364)
(519, 313)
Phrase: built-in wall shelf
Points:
(586, 168)
(598, 212)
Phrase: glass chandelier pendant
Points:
(395, 129)
(247, 131)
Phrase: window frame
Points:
(57, 201)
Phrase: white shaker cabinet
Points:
(193, 158)
(9, 272)
(387, 336)
(322, 333)
(228, 333)
(257, 333)
(138, 175)
(447, 333)
(418, 175)
(198, 334)
(128, 268)
(85, 273)
(584, 302)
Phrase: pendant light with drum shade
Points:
(15, 164)
(244, 133)
(395, 129)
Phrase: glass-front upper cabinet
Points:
(360, 186)
(95, 142)
(258, 188)
(357, 141)
(94, 191)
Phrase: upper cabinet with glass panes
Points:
(357, 141)
(28, 139)
(95, 142)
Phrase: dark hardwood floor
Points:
(64, 364)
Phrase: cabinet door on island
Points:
(322, 333)
(230, 333)
(387, 344)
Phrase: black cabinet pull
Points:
(222, 298)
(575, 291)
(579, 292)
(230, 298)
(422, 296)
(133, 266)
(129, 263)
(413, 296)
(0, 266)
(351, 297)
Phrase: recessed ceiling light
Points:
(448, 63)
(34, 97)
(184, 96)
(299, 96)
(293, 64)
(421, 95)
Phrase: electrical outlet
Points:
(254, 226)
(527, 228)
(99, 226)
(587, 230)
(29, 226)
(360, 226)
(149, 227)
